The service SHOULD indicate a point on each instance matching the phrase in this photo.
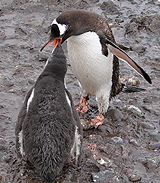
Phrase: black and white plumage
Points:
(93, 56)
(48, 129)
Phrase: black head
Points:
(76, 22)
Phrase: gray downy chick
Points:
(48, 130)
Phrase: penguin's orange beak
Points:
(56, 42)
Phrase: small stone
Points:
(94, 138)
(155, 145)
(116, 102)
(134, 81)
(105, 161)
(147, 125)
(102, 176)
(92, 165)
(1, 156)
(155, 134)
(7, 82)
(118, 33)
(30, 81)
(115, 114)
(135, 178)
(2, 141)
(109, 7)
(153, 162)
(2, 35)
(2, 147)
(17, 69)
(138, 48)
(133, 109)
(155, 121)
(117, 140)
(137, 135)
(140, 168)
(147, 108)
(84, 123)
(12, 91)
(156, 181)
(6, 159)
(147, 100)
(134, 142)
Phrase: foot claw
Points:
(82, 106)
(97, 121)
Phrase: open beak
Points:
(56, 42)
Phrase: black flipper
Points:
(123, 56)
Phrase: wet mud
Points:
(126, 148)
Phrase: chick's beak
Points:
(56, 43)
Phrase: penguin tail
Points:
(130, 88)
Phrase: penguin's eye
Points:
(62, 28)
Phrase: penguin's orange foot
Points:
(97, 121)
(82, 107)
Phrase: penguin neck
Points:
(56, 69)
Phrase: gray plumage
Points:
(48, 128)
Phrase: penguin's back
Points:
(48, 128)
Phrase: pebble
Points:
(134, 142)
(119, 33)
(153, 162)
(7, 81)
(115, 114)
(105, 161)
(155, 145)
(84, 123)
(155, 121)
(6, 159)
(3, 157)
(135, 178)
(30, 81)
(109, 7)
(2, 147)
(102, 176)
(94, 138)
(140, 168)
(133, 109)
(117, 140)
(134, 81)
(155, 134)
(156, 181)
(147, 108)
(147, 125)
(150, 99)
(12, 91)
(138, 48)
(17, 69)
(2, 141)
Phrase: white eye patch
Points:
(62, 27)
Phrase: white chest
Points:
(90, 66)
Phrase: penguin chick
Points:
(48, 130)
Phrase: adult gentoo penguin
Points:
(48, 130)
(93, 57)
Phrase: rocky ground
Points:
(127, 147)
